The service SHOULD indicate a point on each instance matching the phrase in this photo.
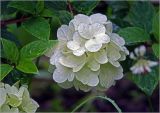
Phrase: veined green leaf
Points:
(133, 35)
(10, 50)
(84, 6)
(64, 16)
(147, 82)
(26, 6)
(39, 6)
(4, 70)
(36, 49)
(27, 66)
(141, 14)
(38, 27)
(47, 13)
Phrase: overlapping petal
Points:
(88, 53)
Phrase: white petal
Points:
(86, 76)
(117, 39)
(123, 56)
(108, 74)
(73, 45)
(59, 77)
(152, 63)
(84, 31)
(72, 61)
(141, 69)
(132, 68)
(102, 38)
(64, 33)
(78, 38)
(115, 63)
(119, 73)
(101, 56)
(132, 56)
(80, 86)
(125, 50)
(97, 29)
(66, 84)
(61, 74)
(136, 50)
(11, 89)
(79, 52)
(135, 71)
(2, 96)
(79, 67)
(55, 57)
(93, 65)
(92, 45)
(142, 50)
(113, 53)
(80, 18)
(71, 26)
(147, 68)
(98, 18)
(109, 27)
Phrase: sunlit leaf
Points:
(134, 35)
(36, 49)
(10, 50)
(27, 66)
(38, 27)
(4, 70)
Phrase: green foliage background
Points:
(28, 31)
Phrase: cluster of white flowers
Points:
(16, 100)
(88, 53)
(142, 65)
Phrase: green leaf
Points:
(141, 14)
(56, 5)
(133, 35)
(26, 6)
(65, 17)
(4, 69)
(85, 6)
(27, 66)
(36, 49)
(39, 6)
(156, 49)
(38, 27)
(155, 26)
(47, 13)
(10, 50)
(148, 82)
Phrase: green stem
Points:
(101, 97)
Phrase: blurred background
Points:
(52, 97)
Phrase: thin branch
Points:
(12, 21)
(70, 7)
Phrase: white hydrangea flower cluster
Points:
(88, 53)
(16, 100)
(142, 65)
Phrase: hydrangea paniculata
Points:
(142, 65)
(16, 100)
(88, 53)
